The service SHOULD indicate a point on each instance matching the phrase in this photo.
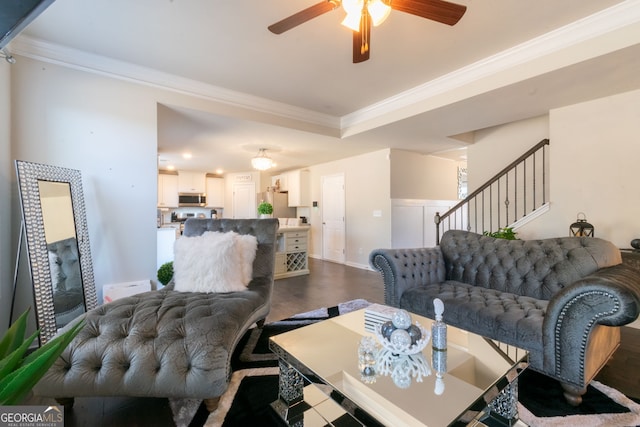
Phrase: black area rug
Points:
(254, 386)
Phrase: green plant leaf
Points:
(165, 273)
(14, 336)
(65, 338)
(9, 363)
(15, 386)
(265, 208)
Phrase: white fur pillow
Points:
(214, 262)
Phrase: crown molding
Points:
(394, 108)
(586, 29)
(79, 60)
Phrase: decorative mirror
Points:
(57, 238)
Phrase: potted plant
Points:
(265, 209)
(165, 273)
(503, 233)
(19, 370)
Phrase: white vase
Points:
(263, 216)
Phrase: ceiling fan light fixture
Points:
(352, 21)
(379, 11)
(261, 161)
(353, 8)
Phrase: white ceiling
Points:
(300, 96)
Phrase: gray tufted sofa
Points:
(560, 299)
(166, 343)
(68, 299)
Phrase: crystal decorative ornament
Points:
(401, 319)
(386, 329)
(439, 328)
(414, 333)
(400, 338)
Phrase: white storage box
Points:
(120, 290)
(377, 314)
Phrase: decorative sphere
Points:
(369, 371)
(400, 338)
(401, 319)
(635, 243)
(369, 359)
(386, 329)
(402, 380)
(415, 333)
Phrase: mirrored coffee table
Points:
(322, 382)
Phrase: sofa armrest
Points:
(610, 297)
(403, 269)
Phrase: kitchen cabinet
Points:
(167, 191)
(191, 182)
(292, 256)
(215, 192)
(298, 183)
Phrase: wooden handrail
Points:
(439, 218)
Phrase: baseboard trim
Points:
(347, 263)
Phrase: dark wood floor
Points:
(326, 286)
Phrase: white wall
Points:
(418, 176)
(494, 148)
(7, 248)
(594, 154)
(366, 190)
(371, 182)
(106, 129)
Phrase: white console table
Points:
(292, 257)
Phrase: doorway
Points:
(244, 200)
(333, 218)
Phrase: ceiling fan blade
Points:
(436, 10)
(361, 39)
(302, 16)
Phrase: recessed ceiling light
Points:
(219, 171)
(171, 167)
(186, 155)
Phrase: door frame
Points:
(343, 257)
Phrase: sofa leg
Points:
(573, 394)
(212, 404)
(65, 402)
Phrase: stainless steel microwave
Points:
(192, 199)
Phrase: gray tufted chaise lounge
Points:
(560, 299)
(166, 343)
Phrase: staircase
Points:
(514, 196)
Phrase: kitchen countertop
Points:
(294, 227)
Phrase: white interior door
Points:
(333, 213)
(244, 200)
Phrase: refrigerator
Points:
(280, 202)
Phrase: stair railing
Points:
(514, 192)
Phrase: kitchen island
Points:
(292, 257)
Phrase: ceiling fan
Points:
(361, 14)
